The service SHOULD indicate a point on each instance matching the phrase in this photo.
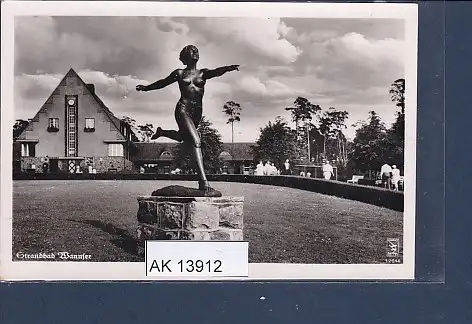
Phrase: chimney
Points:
(91, 88)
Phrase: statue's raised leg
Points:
(172, 134)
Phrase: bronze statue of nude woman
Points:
(188, 112)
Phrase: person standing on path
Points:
(395, 177)
(287, 170)
(386, 174)
(327, 170)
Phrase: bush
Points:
(364, 193)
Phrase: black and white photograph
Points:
(289, 126)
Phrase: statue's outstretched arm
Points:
(208, 74)
(173, 77)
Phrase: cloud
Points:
(325, 28)
(378, 51)
(166, 24)
(251, 85)
(276, 70)
(311, 36)
(43, 47)
(355, 60)
(123, 45)
(263, 37)
(347, 63)
(112, 85)
(253, 88)
(33, 86)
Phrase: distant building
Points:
(237, 158)
(73, 132)
(160, 157)
(155, 157)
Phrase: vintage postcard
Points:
(130, 128)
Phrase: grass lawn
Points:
(282, 225)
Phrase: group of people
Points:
(327, 169)
(390, 176)
(266, 169)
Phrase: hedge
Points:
(367, 194)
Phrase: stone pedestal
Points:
(189, 218)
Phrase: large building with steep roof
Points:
(74, 131)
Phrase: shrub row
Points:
(367, 194)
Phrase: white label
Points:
(196, 259)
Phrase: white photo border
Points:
(37, 270)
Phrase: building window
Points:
(28, 149)
(53, 125)
(115, 150)
(89, 125)
(71, 126)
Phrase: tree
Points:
(276, 143)
(317, 143)
(370, 145)
(332, 123)
(146, 131)
(302, 114)
(211, 149)
(396, 140)
(233, 110)
(396, 133)
(19, 126)
(128, 120)
(397, 93)
(302, 111)
(139, 133)
(375, 145)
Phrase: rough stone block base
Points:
(189, 218)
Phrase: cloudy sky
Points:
(348, 64)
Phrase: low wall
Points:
(101, 164)
(104, 163)
(28, 161)
(367, 194)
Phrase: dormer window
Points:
(166, 154)
(89, 125)
(53, 125)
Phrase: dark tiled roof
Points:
(239, 151)
(153, 151)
